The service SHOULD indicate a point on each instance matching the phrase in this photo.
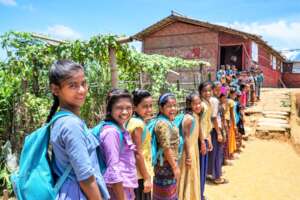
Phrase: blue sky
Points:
(278, 21)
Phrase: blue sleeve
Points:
(75, 142)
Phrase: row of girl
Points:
(124, 169)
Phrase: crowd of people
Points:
(139, 155)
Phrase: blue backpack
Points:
(157, 153)
(34, 179)
(178, 123)
(96, 131)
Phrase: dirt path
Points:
(266, 170)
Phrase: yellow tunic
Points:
(231, 137)
(189, 185)
(206, 125)
(133, 124)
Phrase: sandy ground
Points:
(266, 169)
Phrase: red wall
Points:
(291, 80)
(226, 39)
(195, 42)
(271, 77)
(185, 41)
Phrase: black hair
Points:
(114, 96)
(222, 95)
(203, 85)
(232, 90)
(60, 71)
(242, 86)
(163, 100)
(188, 102)
(139, 95)
(216, 84)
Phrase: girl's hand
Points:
(188, 161)
(203, 148)
(210, 146)
(220, 138)
(176, 172)
(147, 185)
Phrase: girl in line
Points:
(215, 157)
(71, 143)
(118, 148)
(189, 185)
(225, 127)
(206, 127)
(232, 146)
(141, 136)
(166, 170)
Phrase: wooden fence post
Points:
(5, 195)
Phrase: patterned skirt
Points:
(164, 183)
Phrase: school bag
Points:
(157, 153)
(96, 131)
(34, 179)
(178, 121)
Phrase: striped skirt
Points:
(164, 183)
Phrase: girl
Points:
(71, 143)
(136, 126)
(239, 121)
(224, 110)
(215, 157)
(189, 185)
(166, 171)
(118, 148)
(231, 123)
(206, 126)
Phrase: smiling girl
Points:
(141, 136)
(189, 186)
(166, 170)
(117, 147)
(72, 145)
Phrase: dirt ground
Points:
(268, 169)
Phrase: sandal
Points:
(220, 181)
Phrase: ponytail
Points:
(53, 108)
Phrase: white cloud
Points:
(63, 32)
(8, 2)
(280, 34)
(28, 7)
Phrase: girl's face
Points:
(169, 109)
(196, 104)
(122, 111)
(217, 90)
(72, 92)
(223, 99)
(144, 109)
(233, 95)
(206, 92)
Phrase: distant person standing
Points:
(260, 81)
(221, 73)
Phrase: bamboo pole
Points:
(113, 67)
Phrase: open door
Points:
(232, 55)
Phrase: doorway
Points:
(232, 55)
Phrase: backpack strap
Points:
(62, 179)
(67, 171)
